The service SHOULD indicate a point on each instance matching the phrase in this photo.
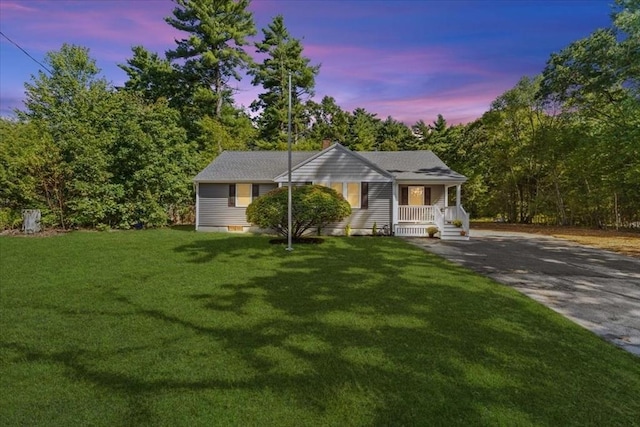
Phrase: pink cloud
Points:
(460, 105)
(378, 65)
(106, 26)
(9, 7)
(408, 85)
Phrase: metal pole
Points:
(289, 213)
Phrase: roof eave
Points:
(232, 181)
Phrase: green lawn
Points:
(172, 327)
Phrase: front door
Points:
(415, 195)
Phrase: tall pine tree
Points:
(213, 53)
(283, 56)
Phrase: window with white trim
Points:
(353, 194)
(349, 190)
(356, 193)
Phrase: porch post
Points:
(458, 199)
(446, 195)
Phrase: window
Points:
(243, 195)
(356, 193)
(353, 194)
(349, 190)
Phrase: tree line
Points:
(562, 147)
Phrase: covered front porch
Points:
(413, 219)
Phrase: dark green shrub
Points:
(312, 206)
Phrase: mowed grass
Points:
(177, 328)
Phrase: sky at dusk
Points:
(411, 60)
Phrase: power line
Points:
(26, 53)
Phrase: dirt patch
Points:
(625, 242)
(301, 240)
(43, 233)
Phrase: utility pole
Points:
(289, 213)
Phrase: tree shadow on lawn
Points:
(207, 250)
(316, 338)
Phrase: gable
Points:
(336, 163)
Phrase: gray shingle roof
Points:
(412, 165)
(255, 166)
(250, 166)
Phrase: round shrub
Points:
(312, 206)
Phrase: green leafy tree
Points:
(328, 121)
(106, 157)
(313, 206)
(595, 84)
(421, 131)
(363, 130)
(519, 152)
(29, 172)
(72, 106)
(438, 140)
(151, 163)
(213, 53)
(394, 133)
(283, 57)
(231, 132)
(153, 77)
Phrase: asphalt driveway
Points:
(597, 289)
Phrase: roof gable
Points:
(336, 163)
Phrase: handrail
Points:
(465, 219)
(452, 213)
(439, 219)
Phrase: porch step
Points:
(451, 232)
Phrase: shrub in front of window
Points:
(313, 206)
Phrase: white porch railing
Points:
(417, 214)
(414, 221)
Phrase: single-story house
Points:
(408, 191)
